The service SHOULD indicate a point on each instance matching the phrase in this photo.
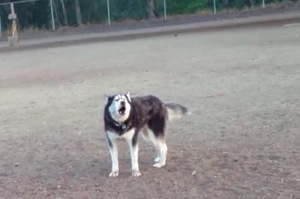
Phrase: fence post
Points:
(108, 12)
(14, 38)
(52, 15)
(215, 7)
(165, 10)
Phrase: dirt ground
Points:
(242, 141)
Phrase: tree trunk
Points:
(151, 9)
(251, 3)
(225, 2)
(78, 13)
(64, 12)
(56, 13)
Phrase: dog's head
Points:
(118, 106)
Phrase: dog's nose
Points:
(122, 103)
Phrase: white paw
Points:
(158, 165)
(114, 174)
(136, 173)
(157, 159)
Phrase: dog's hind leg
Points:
(163, 149)
(149, 136)
(157, 126)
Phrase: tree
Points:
(151, 9)
(64, 12)
(78, 13)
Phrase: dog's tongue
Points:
(122, 110)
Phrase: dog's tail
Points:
(175, 111)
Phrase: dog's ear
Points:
(106, 97)
(128, 97)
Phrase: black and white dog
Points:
(125, 117)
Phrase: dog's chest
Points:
(128, 135)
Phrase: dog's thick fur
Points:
(125, 117)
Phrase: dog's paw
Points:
(136, 173)
(157, 159)
(114, 174)
(158, 165)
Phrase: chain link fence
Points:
(28, 14)
(52, 14)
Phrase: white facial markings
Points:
(118, 102)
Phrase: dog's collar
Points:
(122, 125)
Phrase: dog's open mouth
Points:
(122, 110)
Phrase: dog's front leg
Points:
(114, 159)
(113, 149)
(134, 151)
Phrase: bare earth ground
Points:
(242, 141)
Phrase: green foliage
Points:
(3, 17)
(40, 14)
(128, 9)
(93, 11)
(37, 14)
(186, 6)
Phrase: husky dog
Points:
(126, 117)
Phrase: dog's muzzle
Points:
(122, 109)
